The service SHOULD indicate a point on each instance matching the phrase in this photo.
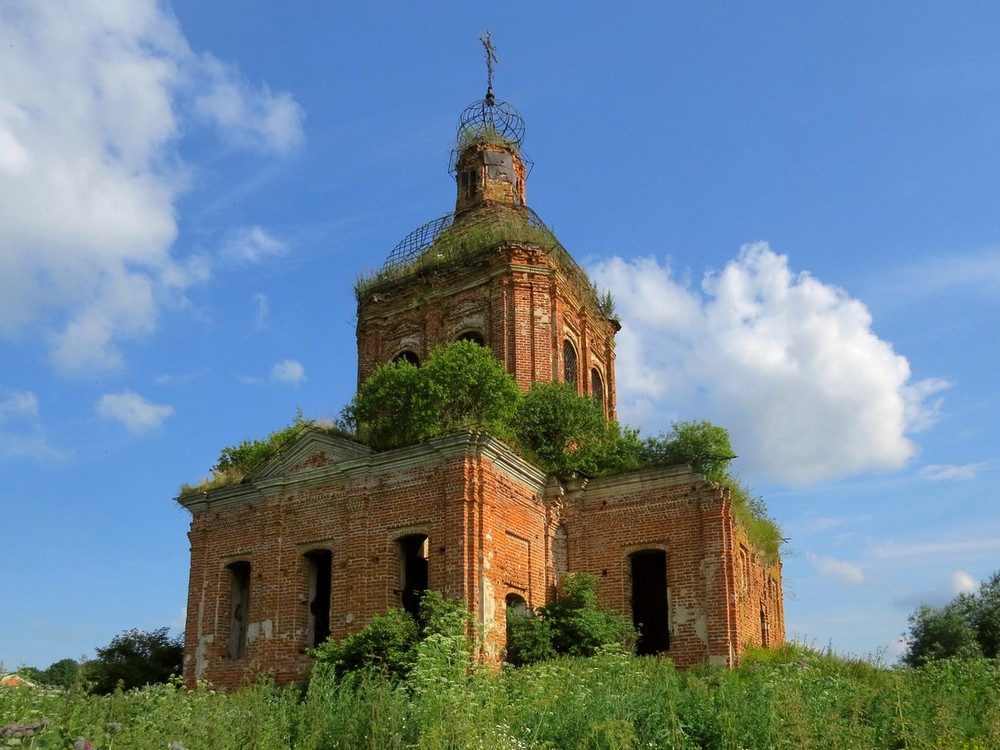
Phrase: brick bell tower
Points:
(491, 272)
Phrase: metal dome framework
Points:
(413, 246)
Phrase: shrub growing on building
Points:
(570, 625)
(390, 644)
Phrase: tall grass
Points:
(791, 698)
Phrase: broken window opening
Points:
(650, 614)
(320, 564)
(239, 609)
(407, 356)
(569, 362)
(765, 636)
(597, 388)
(413, 571)
(474, 336)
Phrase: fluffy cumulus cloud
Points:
(788, 364)
(91, 98)
(839, 570)
(288, 371)
(133, 411)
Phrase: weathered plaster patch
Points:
(262, 629)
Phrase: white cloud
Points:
(962, 583)
(133, 411)
(831, 567)
(788, 364)
(251, 245)
(945, 472)
(19, 404)
(288, 371)
(959, 582)
(21, 431)
(259, 119)
(91, 104)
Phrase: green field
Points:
(793, 698)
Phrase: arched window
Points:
(239, 608)
(569, 363)
(474, 336)
(407, 356)
(597, 388)
(413, 571)
(648, 570)
(319, 565)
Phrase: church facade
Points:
(329, 533)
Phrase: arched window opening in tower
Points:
(650, 613)
(407, 356)
(569, 362)
(474, 336)
(413, 571)
(319, 564)
(597, 388)
(239, 608)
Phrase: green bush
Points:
(571, 625)
(390, 645)
(136, 658)
(967, 627)
(461, 385)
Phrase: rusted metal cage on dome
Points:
(478, 228)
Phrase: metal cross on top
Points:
(491, 58)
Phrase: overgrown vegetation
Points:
(968, 627)
(783, 700)
(391, 645)
(571, 625)
(463, 386)
(237, 462)
(474, 235)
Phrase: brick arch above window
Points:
(407, 355)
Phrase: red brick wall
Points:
(522, 300)
(490, 518)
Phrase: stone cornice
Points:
(426, 455)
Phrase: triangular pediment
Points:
(316, 449)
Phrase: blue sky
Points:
(795, 204)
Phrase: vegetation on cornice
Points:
(472, 236)
(462, 386)
(487, 136)
(237, 462)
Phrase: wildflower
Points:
(112, 727)
(82, 744)
(176, 746)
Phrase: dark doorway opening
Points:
(649, 601)
(320, 564)
(413, 571)
(239, 578)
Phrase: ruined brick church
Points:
(330, 532)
